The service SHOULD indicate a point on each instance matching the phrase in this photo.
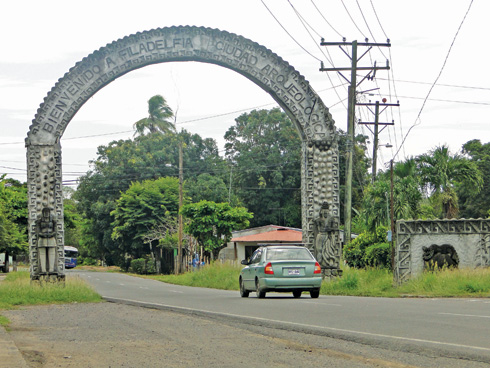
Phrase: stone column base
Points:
(330, 274)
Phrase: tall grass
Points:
(216, 276)
(17, 290)
(357, 282)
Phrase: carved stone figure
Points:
(46, 243)
(325, 227)
(439, 256)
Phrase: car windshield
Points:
(288, 254)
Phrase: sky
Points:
(430, 42)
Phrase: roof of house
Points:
(279, 234)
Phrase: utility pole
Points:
(181, 180)
(392, 215)
(376, 124)
(351, 115)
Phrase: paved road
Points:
(440, 327)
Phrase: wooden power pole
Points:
(376, 124)
(181, 196)
(353, 84)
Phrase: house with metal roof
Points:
(244, 242)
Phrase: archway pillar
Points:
(320, 183)
(44, 178)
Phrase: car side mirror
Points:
(245, 262)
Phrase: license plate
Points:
(293, 271)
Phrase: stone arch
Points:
(320, 164)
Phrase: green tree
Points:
(472, 203)
(265, 149)
(210, 188)
(138, 212)
(13, 216)
(212, 223)
(159, 117)
(440, 174)
(118, 164)
(407, 198)
(72, 218)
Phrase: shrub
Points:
(87, 261)
(378, 255)
(150, 267)
(138, 266)
(355, 251)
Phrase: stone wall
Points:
(469, 237)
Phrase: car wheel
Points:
(297, 293)
(315, 293)
(243, 293)
(260, 293)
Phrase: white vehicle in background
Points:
(5, 264)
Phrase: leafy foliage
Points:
(369, 249)
(441, 173)
(159, 117)
(118, 165)
(212, 223)
(475, 204)
(138, 210)
(264, 148)
(13, 216)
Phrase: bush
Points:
(150, 267)
(378, 255)
(87, 261)
(355, 251)
(142, 266)
(138, 266)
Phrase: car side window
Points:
(256, 256)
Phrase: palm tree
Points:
(439, 172)
(159, 118)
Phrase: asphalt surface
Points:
(195, 327)
(456, 328)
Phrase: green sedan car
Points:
(281, 269)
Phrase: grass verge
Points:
(17, 290)
(357, 282)
(216, 276)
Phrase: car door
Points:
(248, 273)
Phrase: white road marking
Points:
(464, 315)
(306, 325)
(175, 291)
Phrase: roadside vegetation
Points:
(357, 282)
(16, 290)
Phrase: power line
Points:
(440, 85)
(329, 58)
(438, 76)
(321, 14)
(376, 14)
(289, 34)
(352, 19)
